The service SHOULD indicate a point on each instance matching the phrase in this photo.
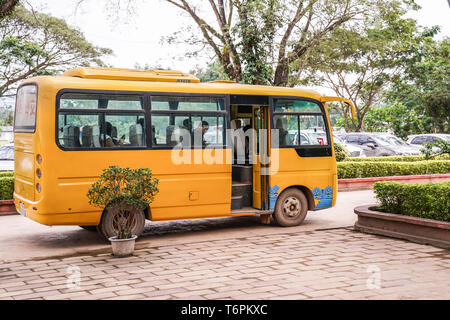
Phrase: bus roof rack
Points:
(131, 74)
(222, 81)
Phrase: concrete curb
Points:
(367, 183)
(7, 207)
(419, 230)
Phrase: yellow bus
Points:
(69, 128)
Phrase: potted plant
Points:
(123, 193)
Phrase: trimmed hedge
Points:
(365, 169)
(6, 174)
(428, 200)
(341, 152)
(398, 158)
(6, 187)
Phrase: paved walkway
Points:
(327, 264)
(22, 238)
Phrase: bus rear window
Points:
(25, 114)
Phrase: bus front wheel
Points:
(291, 208)
(107, 224)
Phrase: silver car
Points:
(372, 145)
(354, 150)
(420, 139)
(400, 147)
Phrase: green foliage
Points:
(6, 174)
(365, 169)
(360, 62)
(6, 187)
(270, 41)
(116, 186)
(397, 158)
(425, 83)
(214, 71)
(401, 119)
(123, 190)
(429, 200)
(34, 43)
(7, 7)
(256, 27)
(442, 149)
(340, 152)
(6, 115)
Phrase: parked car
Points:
(7, 157)
(420, 139)
(305, 139)
(372, 145)
(352, 149)
(401, 147)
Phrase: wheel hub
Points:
(291, 207)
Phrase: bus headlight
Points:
(39, 159)
(38, 188)
(39, 173)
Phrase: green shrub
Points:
(6, 188)
(443, 148)
(340, 152)
(428, 200)
(6, 174)
(365, 169)
(123, 191)
(399, 158)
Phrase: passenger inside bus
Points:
(282, 133)
(199, 133)
(238, 141)
(109, 139)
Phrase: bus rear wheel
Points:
(291, 208)
(107, 224)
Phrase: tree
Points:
(6, 117)
(359, 63)
(212, 72)
(257, 41)
(425, 84)
(33, 43)
(401, 119)
(7, 7)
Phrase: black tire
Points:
(106, 228)
(291, 208)
(89, 228)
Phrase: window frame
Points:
(146, 111)
(27, 129)
(310, 149)
(100, 111)
(208, 113)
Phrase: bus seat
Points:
(154, 135)
(136, 135)
(90, 136)
(71, 136)
(114, 132)
(238, 140)
(172, 138)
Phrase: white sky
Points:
(138, 41)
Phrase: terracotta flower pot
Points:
(122, 247)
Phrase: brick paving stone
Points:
(328, 264)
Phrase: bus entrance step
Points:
(236, 202)
(244, 190)
(242, 173)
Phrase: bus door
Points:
(260, 150)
